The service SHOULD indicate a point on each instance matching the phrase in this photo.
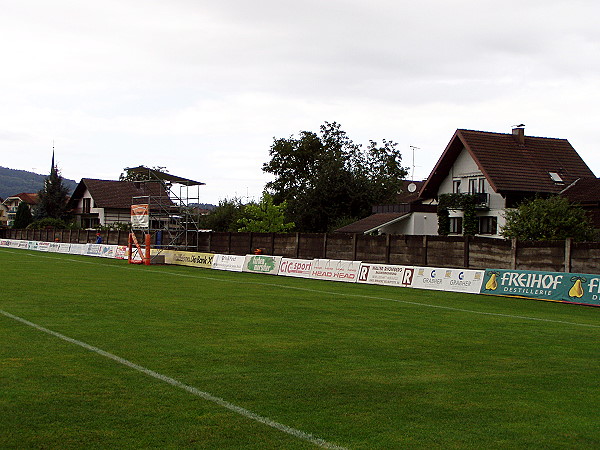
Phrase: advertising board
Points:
(555, 286)
(291, 267)
(121, 252)
(64, 247)
(93, 249)
(32, 245)
(385, 274)
(54, 247)
(4, 243)
(452, 280)
(233, 263)
(335, 270)
(43, 246)
(77, 249)
(262, 264)
(192, 259)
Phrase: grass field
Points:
(96, 354)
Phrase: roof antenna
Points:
(412, 176)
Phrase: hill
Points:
(14, 181)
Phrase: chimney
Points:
(518, 132)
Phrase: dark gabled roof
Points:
(118, 194)
(509, 165)
(370, 223)
(31, 198)
(405, 196)
(584, 190)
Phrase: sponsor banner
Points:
(452, 280)
(232, 263)
(93, 249)
(192, 259)
(555, 286)
(140, 216)
(262, 264)
(335, 270)
(64, 247)
(107, 251)
(121, 252)
(290, 267)
(32, 245)
(23, 245)
(43, 246)
(385, 274)
(4, 243)
(77, 249)
(54, 247)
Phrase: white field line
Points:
(192, 390)
(341, 294)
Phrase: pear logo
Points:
(577, 290)
(492, 283)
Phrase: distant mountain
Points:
(14, 182)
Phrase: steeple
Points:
(53, 167)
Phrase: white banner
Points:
(335, 270)
(232, 263)
(64, 247)
(452, 280)
(43, 246)
(140, 216)
(385, 274)
(4, 243)
(54, 247)
(77, 249)
(93, 249)
(290, 267)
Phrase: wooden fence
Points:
(434, 251)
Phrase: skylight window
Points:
(556, 177)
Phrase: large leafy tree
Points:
(264, 217)
(53, 197)
(325, 177)
(553, 218)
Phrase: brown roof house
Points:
(10, 205)
(107, 202)
(409, 215)
(501, 169)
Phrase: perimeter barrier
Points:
(582, 289)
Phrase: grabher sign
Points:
(555, 286)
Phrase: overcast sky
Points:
(202, 87)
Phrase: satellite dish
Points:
(412, 187)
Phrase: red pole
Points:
(130, 248)
(147, 258)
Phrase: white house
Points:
(501, 169)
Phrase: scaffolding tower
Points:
(171, 201)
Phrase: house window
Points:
(473, 185)
(456, 225)
(481, 185)
(456, 186)
(86, 205)
(488, 225)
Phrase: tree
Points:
(53, 197)
(23, 216)
(326, 177)
(224, 217)
(129, 175)
(552, 218)
(264, 217)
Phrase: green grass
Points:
(355, 365)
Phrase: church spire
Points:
(53, 167)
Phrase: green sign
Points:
(555, 286)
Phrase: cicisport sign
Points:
(290, 267)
